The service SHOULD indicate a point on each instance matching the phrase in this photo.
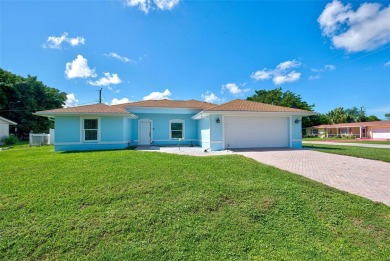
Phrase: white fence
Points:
(39, 139)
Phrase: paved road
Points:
(353, 144)
(363, 177)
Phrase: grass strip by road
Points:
(131, 205)
(358, 152)
(385, 142)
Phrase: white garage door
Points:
(381, 133)
(256, 132)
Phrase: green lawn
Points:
(131, 205)
(359, 152)
(387, 142)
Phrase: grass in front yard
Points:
(359, 152)
(386, 142)
(131, 205)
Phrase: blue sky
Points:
(331, 53)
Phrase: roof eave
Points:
(54, 114)
(281, 113)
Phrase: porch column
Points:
(360, 132)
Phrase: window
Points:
(90, 129)
(176, 129)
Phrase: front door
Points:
(145, 133)
(364, 133)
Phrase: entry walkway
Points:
(363, 177)
(353, 144)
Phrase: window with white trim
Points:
(91, 129)
(176, 129)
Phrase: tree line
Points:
(20, 97)
(292, 100)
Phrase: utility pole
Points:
(100, 95)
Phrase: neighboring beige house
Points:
(4, 127)
(363, 130)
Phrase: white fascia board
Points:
(53, 115)
(255, 113)
(8, 121)
(199, 115)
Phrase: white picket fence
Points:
(37, 139)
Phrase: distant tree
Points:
(278, 97)
(337, 115)
(20, 97)
(387, 115)
(372, 118)
(286, 99)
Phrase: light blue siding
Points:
(67, 129)
(112, 129)
(216, 135)
(296, 132)
(69, 133)
(160, 131)
(204, 133)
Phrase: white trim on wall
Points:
(291, 122)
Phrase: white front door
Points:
(145, 133)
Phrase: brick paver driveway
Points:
(363, 177)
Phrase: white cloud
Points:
(119, 101)
(283, 78)
(71, 100)
(281, 74)
(288, 65)
(106, 80)
(147, 5)
(234, 89)
(79, 68)
(314, 77)
(55, 42)
(365, 29)
(121, 58)
(327, 67)
(210, 97)
(387, 64)
(261, 75)
(158, 95)
(76, 41)
(166, 4)
(330, 67)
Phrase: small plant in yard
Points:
(10, 140)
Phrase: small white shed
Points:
(4, 127)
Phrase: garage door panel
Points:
(381, 133)
(252, 132)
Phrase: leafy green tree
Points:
(387, 115)
(286, 99)
(20, 97)
(371, 118)
(278, 97)
(337, 115)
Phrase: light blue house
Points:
(235, 124)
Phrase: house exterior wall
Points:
(69, 134)
(161, 126)
(295, 137)
(4, 129)
(216, 132)
(204, 133)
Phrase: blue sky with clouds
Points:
(331, 53)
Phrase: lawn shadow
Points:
(312, 147)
